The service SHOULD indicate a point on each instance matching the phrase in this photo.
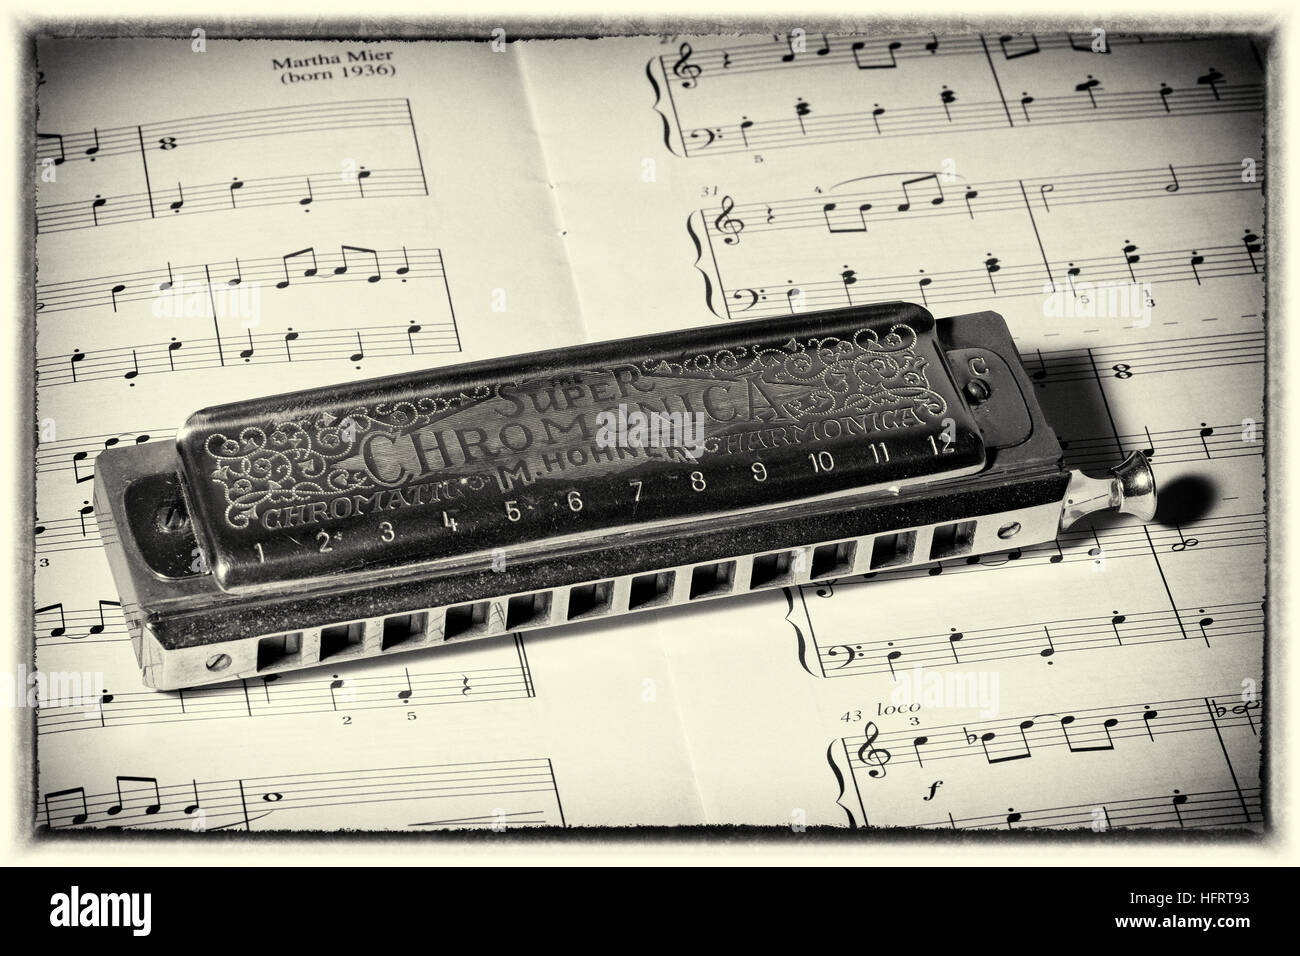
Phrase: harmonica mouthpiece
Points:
(1129, 488)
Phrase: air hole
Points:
(590, 600)
(711, 579)
(951, 540)
(771, 569)
(404, 629)
(465, 620)
(651, 590)
(891, 550)
(342, 639)
(832, 559)
(279, 650)
(528, 609)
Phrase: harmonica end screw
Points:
(1129, 488)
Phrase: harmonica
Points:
(459, 503)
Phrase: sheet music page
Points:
(260, 217)
(1103, 193)
(460, 203)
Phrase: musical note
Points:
(933, 45)
(1027, 51)
(308, 273)
(991, 265)
(95, 206)
(193, 807)
(135, 367)
(171, 279)
(1178, 801)
(683, 69)
(727, 223)
(334, 685)
(1165, 93)
(1050, 649)
(150, 808)
(1211, 80)
(1131, 258)
(989, 736)
(62, 157)
(947, 97)
(102, 625)
(917, 744)
(247, 353)
(954, 639)
(1251, 241)
(63, 624)
(406, 694)
(1110, 722)
(1174, 186)
(92, 150)
(1149, 715)
(411, 331)
(802, 109)
(746, 124)
(362, 175)
(1087, 86)
(893, 46)
(180, 201)
(876, 113)
(360, 353)
(405, 267)
(1025, 100)
(921, 285)
(869, 754)
(236, 184)
(289, 336)
(340, 270)
(307, 200)
(890, 658)
(862, 218)
(1196, 260)
(1204, 623)
(1115, 622)
(172, 347)
(848, 277)
(933, 178)
(77, 356)
(77, 818)
(114, 291)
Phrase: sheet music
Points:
(1104, 194)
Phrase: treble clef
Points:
(728, 223)
(684, 70)
(869, 754)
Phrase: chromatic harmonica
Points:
(464, 502)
